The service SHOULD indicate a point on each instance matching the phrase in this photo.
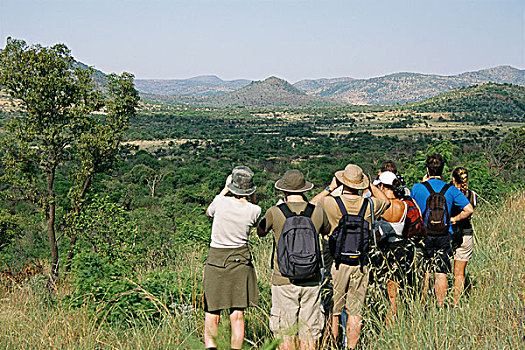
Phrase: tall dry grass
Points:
(491, 313)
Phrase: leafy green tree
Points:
(9, 227)
(97, 146)
(58, 124)
(507, 153)
(415, 168)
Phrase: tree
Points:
(102, 137)
(145, 174)
(508, 152)
(9, 227)
(58, 125)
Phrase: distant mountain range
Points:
(198, 86)
(398, 88)
(271, 92)
(473, 103)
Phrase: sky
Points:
(290, 39)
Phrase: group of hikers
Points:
(324, 248)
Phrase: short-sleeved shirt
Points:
(465, 223)
(453, 196)
(274, 220)
(232, 220)
(352, 204)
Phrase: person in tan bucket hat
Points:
(349, 282)
(296, 309)
(353, 177)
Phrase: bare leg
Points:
(441, 288)
(308, 344)
(393, 289)
(426, 284)
(288, 343)
(237, 323)
(335, 326)
(211, 329)
(459, 279)
(353, 329)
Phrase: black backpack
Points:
(350, 240)
(298, 249)
(436, 215)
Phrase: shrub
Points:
(105, 268)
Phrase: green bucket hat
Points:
(242, 181)
(293, 181)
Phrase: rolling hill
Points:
(271, 92)
(400, 88)
(198, 86)
(397, 88)
(490, 98)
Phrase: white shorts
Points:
(464, 251)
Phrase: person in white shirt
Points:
(229, 276)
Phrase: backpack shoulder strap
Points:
(308, 211)
(341, 205)
(429, 188)
(285, 210)
(445, 189)
(364, 206)
(473, 198)
(373, 222)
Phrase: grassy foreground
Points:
(491, 314)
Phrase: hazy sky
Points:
(291, 39)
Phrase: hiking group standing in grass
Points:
(327, 250)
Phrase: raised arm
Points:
(377, 193)
(325, 192)
(223, 192)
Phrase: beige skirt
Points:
(229, 279)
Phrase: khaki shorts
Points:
(464, 251)
(296, 310)
(350, 286)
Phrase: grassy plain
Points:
(392, 122)
(491, 313)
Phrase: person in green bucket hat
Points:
(229, 276)
(296, 304)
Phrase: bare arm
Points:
(376, 192)
(224, 192)
(465, 213)
(325, 192)
(261, 232)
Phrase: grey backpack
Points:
(298, 250)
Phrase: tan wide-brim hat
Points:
(353, 177)
(293, 181)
